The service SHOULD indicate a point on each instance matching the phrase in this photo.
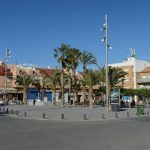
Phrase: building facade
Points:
(132, 66)
(9, 89)
(143, 79)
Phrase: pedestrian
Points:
(34, 101)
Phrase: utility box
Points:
(115, 107)
(140, 110)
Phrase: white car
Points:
(2, 103)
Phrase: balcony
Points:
(143, 80)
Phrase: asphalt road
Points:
(23, 134)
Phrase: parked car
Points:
(13, 102)
(2, 103)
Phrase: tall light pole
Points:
(107, 46)
(7, 56)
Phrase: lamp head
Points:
(103, 39)
(109, 46)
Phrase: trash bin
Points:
(140, 110)
(115, 107)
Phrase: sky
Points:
(31, 29)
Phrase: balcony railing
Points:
(143, 80)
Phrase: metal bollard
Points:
(12, 111)
(147, 112)
(62, 116)
(0, 109)
(128, 115)
(103, 116)
(7, 111)
(84, 117)
(43, 115)
(17, 112)
(25, 114)
(116, 115)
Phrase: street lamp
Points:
(7, 56)
(107, 46)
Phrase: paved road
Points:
(124, 134)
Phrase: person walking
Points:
(34, 101)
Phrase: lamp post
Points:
(7, 56)
(107, 46)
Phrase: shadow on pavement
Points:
(2, 114)
(122, 109)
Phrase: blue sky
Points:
(31, 29)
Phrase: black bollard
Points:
(62, 116)
(0, 109)
(17, 112)
(116, 115)
(7, 111)
(128, 115)
(103, 116)
(25, 114)
(43, 115)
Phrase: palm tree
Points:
(73, 56)
(24, 80)
(116, 76)
(60, 54)
(91, 81)
(101, 77)
(37, 83)
(44, 84)
(41, 83)
(86, 58)
(52, 82)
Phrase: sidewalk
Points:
(70, 113)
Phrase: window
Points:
(144, 77)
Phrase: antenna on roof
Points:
(132, 50)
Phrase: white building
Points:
(132, 66)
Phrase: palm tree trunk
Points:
(76, 96)
(91, 98)
(84, 86)
(25, 96)
(69, 94)
(62, 97)
(42, 92)
(73, 79)
(84, 94)
(62, 89)
(54, 98)
(110, 91)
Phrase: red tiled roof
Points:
(46, 71)
(146, 70)
(49, 72)
(2, 71)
